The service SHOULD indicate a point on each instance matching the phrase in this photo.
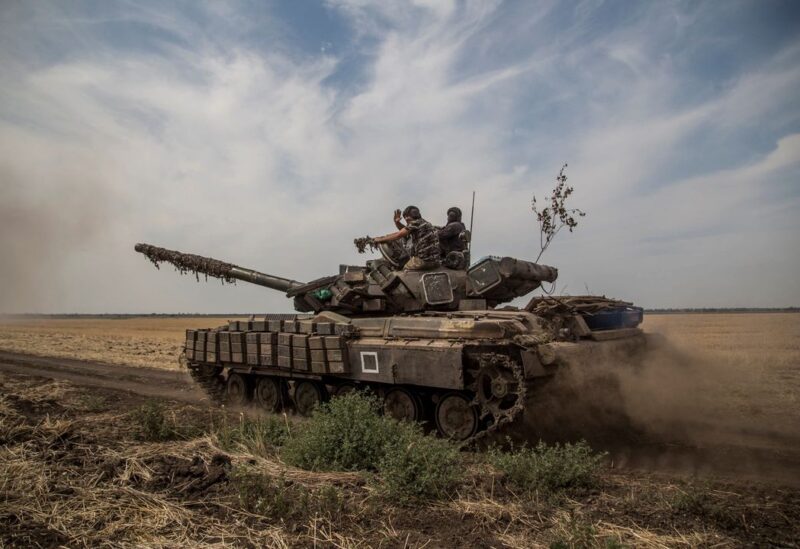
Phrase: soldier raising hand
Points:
(424, 239)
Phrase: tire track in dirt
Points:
(168, 384)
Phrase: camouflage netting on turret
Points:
(579, 304)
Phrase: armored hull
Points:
(466, 372)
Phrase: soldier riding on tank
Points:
(450, 235)
(425, 241)
(453, 238)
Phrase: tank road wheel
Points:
(402, 404)
(269, 393)
(456, 417)
(307, 396)
(237, 391)
(344, 389)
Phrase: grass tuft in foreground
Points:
(548, 469)
(419, 467)
(283, 499)
(154, 423)
(262, 436)
(574, 532)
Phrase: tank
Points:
(436, 346)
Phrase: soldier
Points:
(450, 235)
(425, 241)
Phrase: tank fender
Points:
(531, 364)
(587, 352)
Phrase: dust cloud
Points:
(673, 409)
(40, 229)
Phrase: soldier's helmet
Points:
(456, 211)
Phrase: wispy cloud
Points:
(209, 131)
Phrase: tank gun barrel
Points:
(227, 272)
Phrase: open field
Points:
(150, 342)
(79, 467)
(741, 371)
(721, 400)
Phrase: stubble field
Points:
(152, 342)
(81, 467)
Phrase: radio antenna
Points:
(471, 218)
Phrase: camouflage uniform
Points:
(450, 237)
(426, 246)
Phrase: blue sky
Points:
(270, 134)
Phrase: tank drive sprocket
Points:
(500, 391)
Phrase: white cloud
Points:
(251, 156)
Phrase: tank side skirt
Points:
(495, 376)
(267, 371)
(447, 367)
(329, 379)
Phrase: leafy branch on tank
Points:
(188, 263)
(362, 243)
(556, 215)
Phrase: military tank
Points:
(434, 345)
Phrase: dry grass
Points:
(78, 478)
(80, 481)
(73, 473)
(149, 342)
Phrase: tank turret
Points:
(380, 287)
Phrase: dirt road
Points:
(153, 382)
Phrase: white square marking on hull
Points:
(369, 362)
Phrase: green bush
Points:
(345, 434)
(260, 436)
(419, 467)
(349, 434)
(549, 468)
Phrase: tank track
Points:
(489, 361)
(207, 378)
